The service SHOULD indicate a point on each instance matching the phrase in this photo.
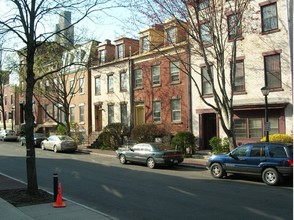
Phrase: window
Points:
(272, 70)
(47, 86)
(46, 111)
(123, 114)
(156, 111)
(71, 86)
(241, 151)
(269, 17)
(5, 100)
(138, 78)
(81, 85)
(123, 81)
(145, 44)
(234, 26)
(155, 75)
(239, 77)
(12, 99)
(175, 71)
(97, 85)
(110, 83)
(120, 51)
(171, 35)
(72, 114)
(82, 113)
(101, 56)
(277, 152)
(202, 4)
(274, 125)
(206, 81)
(240, 128)
(55, 112)
(205, 33)
(22, 88)
(176, 110)
(110, 114)
(255, 128)
(257, 151)
(55, 85)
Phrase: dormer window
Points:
(144, 44)
(120, 51)
(101, 56)
(171, 35)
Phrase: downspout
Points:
(190, 122)
(131, 91)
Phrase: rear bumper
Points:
(168, 161)
(285, 171)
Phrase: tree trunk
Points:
(32, 183)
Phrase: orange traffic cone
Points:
(59, 203)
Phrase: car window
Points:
(277, 151)
(257, 151)
(241, 151)
(136, 148)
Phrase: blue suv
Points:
(272, 161)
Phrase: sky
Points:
(102, 26)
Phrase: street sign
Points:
(267, 126)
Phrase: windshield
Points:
(65, 138)
(37, 135)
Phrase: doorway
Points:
(98, 118)
(208, 129)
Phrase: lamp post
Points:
(265, 91)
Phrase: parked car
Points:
(271, 161)
(38, 138)
(149, 154)
(59, 143)
(8, 135)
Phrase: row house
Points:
(111, 85)
(263, 59)
(161, 85)
(8, 114)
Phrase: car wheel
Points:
(150, 163)
(217, 170)
(122, 159)
(43, 147)
(55, 149)
(270, 176)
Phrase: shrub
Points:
(284, 138)
(146, 133)
(112, 136)
(183, 141)
(61, 130)
(219, 145)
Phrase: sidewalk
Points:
(73, 210)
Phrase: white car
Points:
(59, 143)
(8, 135)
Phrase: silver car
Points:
(59, 143)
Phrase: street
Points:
(137, 192)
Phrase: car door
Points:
(133, 154)
(50, 143)
(236, 162)
(255, 159)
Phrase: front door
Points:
(98, 118)
(208, 129)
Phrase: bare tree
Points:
(59, 88)
(27, 22)
(214, 30)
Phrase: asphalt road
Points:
(137, 192)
